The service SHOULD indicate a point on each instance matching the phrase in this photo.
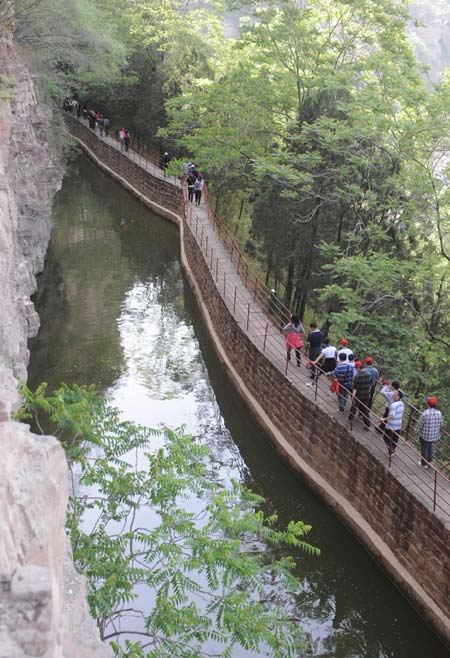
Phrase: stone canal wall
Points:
(407, 540)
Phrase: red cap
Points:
(358, 364)
(343, 341)
(432, 401)
(368, 360)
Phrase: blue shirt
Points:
(344, 374)
(373, 373)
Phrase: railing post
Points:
(265, 336)
(248, 315)
(435, 490)
(224, 281)
(217, 269)
(315, 389)
(206, 246)
(239, 262)
(234, 301)
(201, 238)
(212, 254)
(246, 272)
(256, 285)
(196, 227)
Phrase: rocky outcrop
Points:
(429, 34)
(43, 608)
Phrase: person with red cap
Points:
(344, 349)
(429, 430)
(374, 374)
(361, 393)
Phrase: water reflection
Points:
(116, 312)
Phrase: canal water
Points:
(117, 312)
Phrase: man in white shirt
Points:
(344, 349)
(395, 417)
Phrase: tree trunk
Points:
(302, 307)
(269, 267)
(289, 285)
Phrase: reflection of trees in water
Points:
(159, 347)
(97, 264)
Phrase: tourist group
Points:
(357, 380)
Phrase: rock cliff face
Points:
(430, 36)
(42, 600)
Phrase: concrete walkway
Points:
(430, 486)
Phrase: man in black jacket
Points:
(315, 338)
(362, 383)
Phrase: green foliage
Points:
(320, 113)
(76, 42)
(215, 577)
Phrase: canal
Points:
(117, 312)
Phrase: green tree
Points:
(72, 44)
(210, 577)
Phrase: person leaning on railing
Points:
(429, 430)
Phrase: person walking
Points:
(198, 189)
(314, 340)
(374, 374)
(361, 394)
(344, 349)
(327, 357)
(190, 186)
(106, 124)
(91, 118)
(395, 417)
(344, 374)
(293, 331)
(429, 430)
(164, 160)
(100, 124)
(126, 140)
(388, 392)
(122, 133)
